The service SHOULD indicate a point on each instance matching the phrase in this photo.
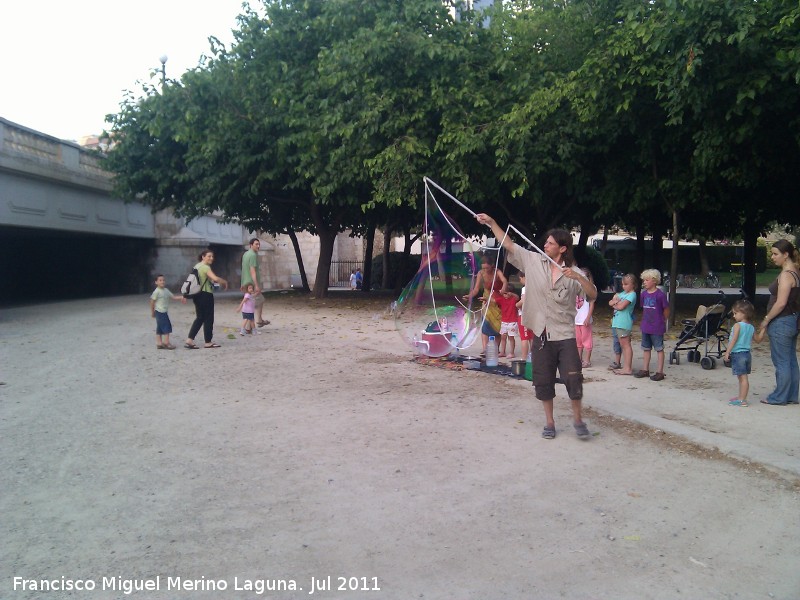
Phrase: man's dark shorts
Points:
(551, 356)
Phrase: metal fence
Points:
(340, 272)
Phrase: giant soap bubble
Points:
(433, 314)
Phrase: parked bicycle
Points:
(693, 281)
(709, 281)
(666, 280)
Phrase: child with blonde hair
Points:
(738, 351)
(655, 312)
(622, 325)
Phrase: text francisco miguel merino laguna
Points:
(155, 584)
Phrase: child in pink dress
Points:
(583, 325)
(248, 308)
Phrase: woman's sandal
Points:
(737, 402)
(189, 346)
(657, 376)
(641, 373)
(212, 345)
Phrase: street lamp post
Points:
(163, 59)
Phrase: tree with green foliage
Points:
(325, 116)
(700, 86)
(316, 113)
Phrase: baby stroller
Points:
(707, 329)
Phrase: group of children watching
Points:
(655, 313)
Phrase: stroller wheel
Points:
(690, 355)
(708, 363)
(674, 358)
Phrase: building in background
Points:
(62, 230)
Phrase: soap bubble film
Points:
(433, 314)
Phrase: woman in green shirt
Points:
(204, 302)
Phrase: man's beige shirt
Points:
(548, 305)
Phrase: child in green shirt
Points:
(159, 303)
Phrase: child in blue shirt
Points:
(738, 350)
(623, 304)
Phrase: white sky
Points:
(64, 64)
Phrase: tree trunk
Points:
(673, 267)
(655, 251)
(640, 248)
(448, 277)
(703, 258)
(583, 241)
(750, 247)
(367, 283)
(387, 239)
(399, 279)
(604, 244)
(327, 239)
(299, 256)
(327, 227)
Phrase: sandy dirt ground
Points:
(321, 450)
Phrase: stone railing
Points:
(27, 147)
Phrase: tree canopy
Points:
(325, 116)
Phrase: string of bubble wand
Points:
(429, 182)
(485, 310)
(474, 214)
(452, 225)
(510, 226)
(450, 222)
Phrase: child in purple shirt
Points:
(655, 312)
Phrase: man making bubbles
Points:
(551, 287)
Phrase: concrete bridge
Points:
(63, 234)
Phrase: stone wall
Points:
(53, 188)
(279, 263)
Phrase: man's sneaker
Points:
(242, 332)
